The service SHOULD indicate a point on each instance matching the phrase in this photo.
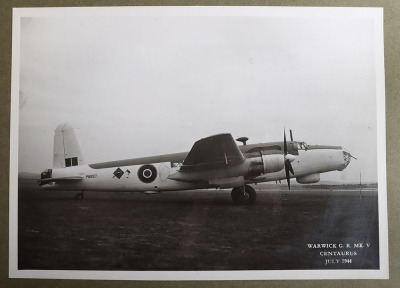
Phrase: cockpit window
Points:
(302, 146)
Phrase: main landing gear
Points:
(79, 196)
(243, 195)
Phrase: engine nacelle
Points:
(266, 164)
(308, 179)
(273, 163)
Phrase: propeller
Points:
(288, 158)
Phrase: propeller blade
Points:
(288, 166)
(288, 158)
(284, 142)
(287, 176)
(291, 135)
(352, 156)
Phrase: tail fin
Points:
(66, 147)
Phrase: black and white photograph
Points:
(198, 143)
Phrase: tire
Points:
(248, 196)
(252, 195)
(237, 195)
(79, 196)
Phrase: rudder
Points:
(67, 152)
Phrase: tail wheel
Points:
(79, 196)
(244, 195)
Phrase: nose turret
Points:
(347, 157)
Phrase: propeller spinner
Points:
(288, 158)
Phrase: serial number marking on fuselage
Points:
(91, 176)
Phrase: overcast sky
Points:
(145, 84)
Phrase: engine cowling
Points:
(273, 163)
(308, 179)
(266, 164)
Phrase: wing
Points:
(209, 158)
(69, 179)
(213, 152)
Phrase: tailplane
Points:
(67, 152)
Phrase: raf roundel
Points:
(147, 173)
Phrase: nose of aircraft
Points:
(347, 156)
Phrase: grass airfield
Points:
(198, 230)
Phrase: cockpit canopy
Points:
(302, 146)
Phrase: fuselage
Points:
(151, 174)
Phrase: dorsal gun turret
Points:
(242, 139)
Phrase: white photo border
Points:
(373, 13)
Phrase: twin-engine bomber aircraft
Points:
(213, 162)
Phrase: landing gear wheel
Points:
(252, 195)
(79, 196)
(244, 195)
(237, 195)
